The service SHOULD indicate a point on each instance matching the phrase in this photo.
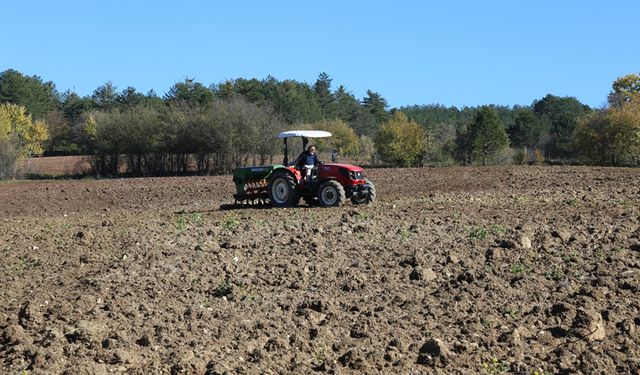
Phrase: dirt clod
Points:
(434, 352)
(588, 325)
(525, 242)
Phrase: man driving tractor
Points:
(308, 160)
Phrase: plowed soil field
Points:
(453, 270)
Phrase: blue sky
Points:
(412, 52)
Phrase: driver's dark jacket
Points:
(301, 161)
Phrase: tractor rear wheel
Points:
(282, 190)
(366, 197)
(331, 194)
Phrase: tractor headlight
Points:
(356, 175)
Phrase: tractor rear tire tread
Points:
(294, 196)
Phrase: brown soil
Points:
(57, 165)
(453, 270)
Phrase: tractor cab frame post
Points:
(285, 159)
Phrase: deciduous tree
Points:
(400, 141)
(625, 89)
(610, 137)
(20, 137)
(343, 139)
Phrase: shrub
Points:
(401, 141)
(20, 138)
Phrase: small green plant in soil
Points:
(572, 202)
(405, 233)
(196, 217)
(601, 254)
(362, 215)
(486, 323)
(521, 201)
(495, 366)
(555, 272)
(223, 289)
(181, 222)
(25, 263)
(518, 268)
(480, 233)
(496, 229)
(231, 223)
(569, 256)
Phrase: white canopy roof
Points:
(305, 133)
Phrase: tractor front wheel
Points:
(331, 194)
(367, 196)
(282, 190)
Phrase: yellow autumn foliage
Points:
(401, 141)
(612, 136)
(17, 126)
(343, 139)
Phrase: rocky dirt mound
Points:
(454, 270)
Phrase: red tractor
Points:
(331, 184)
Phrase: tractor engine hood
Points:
(349, 167)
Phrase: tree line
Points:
(211, 129)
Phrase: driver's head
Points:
(311, 149)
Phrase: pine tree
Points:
(322, 89)
(486, 134)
